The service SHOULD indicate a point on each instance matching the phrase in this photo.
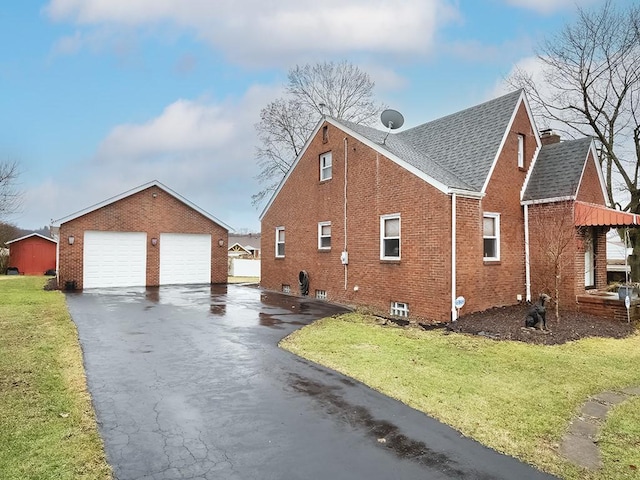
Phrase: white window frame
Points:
(383, 219)
(399, 309)
(321, 294)
(326, 166)
(279, 242)
(321, 236)
(520, 151)
(496, 237)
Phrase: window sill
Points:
(324, 250)
(280, 258)
(390, 261)
(322, 182)
(492, 262)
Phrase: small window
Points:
(399, 309)
(325, 134)
(491, 236)
(280, 242)
(326, 163)
(390, 237)
(321, 294)
(286, 288)
(324, 235)
(520, 151)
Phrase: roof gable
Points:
(558, 171)
(128, 193)
(29, 236)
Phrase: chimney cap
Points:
(546, 131)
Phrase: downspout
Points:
(345, 263)
(527, 255)
(454, 312)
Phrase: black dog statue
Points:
(537, 315)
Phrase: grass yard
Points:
(507, 395)
(47, 423)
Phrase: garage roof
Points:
(154, 183)
(32, 235)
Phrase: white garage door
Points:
(114, 259)
(185, 258)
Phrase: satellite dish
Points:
(392, 119)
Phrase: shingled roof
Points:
(557, 171)
(457, 150)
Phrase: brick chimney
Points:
(547, 137)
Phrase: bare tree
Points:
(552, 245)
(590, 85)
(340, 90)
(10, 196)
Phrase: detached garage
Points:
(32, 254)
(147, 236)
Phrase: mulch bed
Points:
(507, 323)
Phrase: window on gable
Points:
(491, 236)
(280, 242)
(390, 237)
(520, 151)
(324, 235)
(326, 163)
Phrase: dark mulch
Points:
(507, 323)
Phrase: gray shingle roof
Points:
(557, 170)
(457, 150)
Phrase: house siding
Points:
(33, 255)
(375, 186)
(141, 212)
(502, 281)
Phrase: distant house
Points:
(147, 236)
(244, 245)
(32, 254)
(405, 223)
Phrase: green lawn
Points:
(514, 397)
(47, 423)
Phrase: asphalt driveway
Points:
(188, 383)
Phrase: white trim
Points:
(31, 235)
(527, 178)
(496, 226)
(527, 255)
(383, 218)
(320, 237)
(507, 132)
(128, 193)
(454, 310)
(548, 200)
(284, 242)
(466, 194)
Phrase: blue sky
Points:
(100, 96)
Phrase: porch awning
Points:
(592, 215)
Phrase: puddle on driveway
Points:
(384, 433)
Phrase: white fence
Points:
(244, 267)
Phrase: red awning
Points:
(592, 215)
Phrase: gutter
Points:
(454, 311)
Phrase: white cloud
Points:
(249, 30)
(201, 149)
(548, 6)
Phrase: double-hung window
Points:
(491, 236)
(324, 235)
(280, 242)
(390, 237)
(326, 164)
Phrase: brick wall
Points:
(590, 189)
(153, 211)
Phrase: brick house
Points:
(404, 223)
(147, 236)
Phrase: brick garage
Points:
(147, 236)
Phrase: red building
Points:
(32, 254)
